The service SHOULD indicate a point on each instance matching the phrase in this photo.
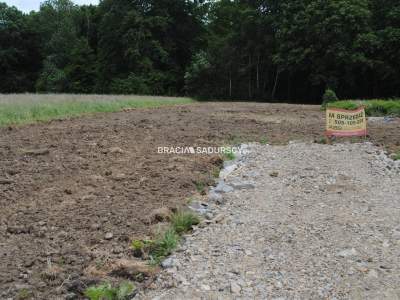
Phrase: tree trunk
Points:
(230, 84)
(249, 77)
(275, 84)
(258, 74)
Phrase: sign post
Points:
(342, 122)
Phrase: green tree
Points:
(19, 51)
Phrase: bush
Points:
(329, 97)
(373, 108)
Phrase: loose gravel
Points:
(301, 221)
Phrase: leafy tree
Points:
(268, 50)
(19, 51)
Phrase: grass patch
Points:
(215, 172)
(396, 156)
(24, 294)
(107, 292)
(263, 141)
(234, 140)
(229, 156)
(163, 245)
(33, 108)
(322, 140)
(373, 108)
(182, 221)
(200, 187)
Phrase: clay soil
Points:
(75, 193)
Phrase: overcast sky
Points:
(28, 5)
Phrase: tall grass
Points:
(376, 108)
(18, 109)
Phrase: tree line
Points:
(266, 50)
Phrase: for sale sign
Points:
(342, 122)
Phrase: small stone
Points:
(222, 187)
(36, 152)
(235, 288)
(71, 296)
(168, 263)
(227, 170)
(116, 150)
(95, 226)
(119, 177)
(347, 252)
(243, 185)
(217, 198)
(248, 252)
(209, 216)
(199, 207)
(372, 274)
(108, 236)
(219, 218)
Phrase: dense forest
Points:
(266, 50)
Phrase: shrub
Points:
(328, 97)
(372, 107)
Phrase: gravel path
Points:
(302, 221)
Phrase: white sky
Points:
(28, 5)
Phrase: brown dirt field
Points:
(64, 184)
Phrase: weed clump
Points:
(183, 221)
(200, 187)
(229, 156)
(263, 141)
(397, 156)
(163, 245)
(107, 292)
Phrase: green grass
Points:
(322, 140)
(229, 156)
(107, 292)
(263, 141)
(166, 241)
(200, 187)
(24, 294)
(376, 108)
(163, 245)
(182, 221)
(397, 156)
(215, 172)
(26, 109)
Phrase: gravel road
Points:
(302, 221)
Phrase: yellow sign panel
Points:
(342, 122)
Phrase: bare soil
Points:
(74, 193)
